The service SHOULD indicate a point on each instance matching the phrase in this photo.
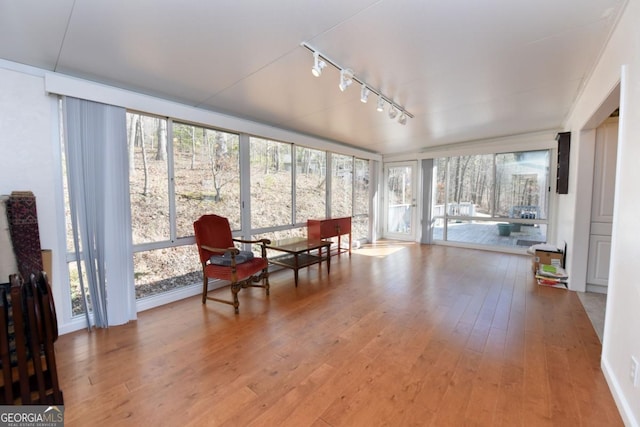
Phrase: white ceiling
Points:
(467, 70)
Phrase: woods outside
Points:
(206, 179)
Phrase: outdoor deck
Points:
(486, 233)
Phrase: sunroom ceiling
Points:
(467, 70)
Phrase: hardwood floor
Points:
(399, 334)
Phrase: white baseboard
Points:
(79, 322)
(618, 396)
(598, 289)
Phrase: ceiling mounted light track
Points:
(347, 77)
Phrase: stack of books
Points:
(552, 275)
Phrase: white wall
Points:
(29, 161)
(619, 64)
(25, 143)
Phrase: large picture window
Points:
(494, 200)
(175, 175)
(179, 171)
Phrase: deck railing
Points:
(455, 209)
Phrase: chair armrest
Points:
(260, 241)
(233, 250)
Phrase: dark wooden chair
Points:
(28, 329)
(222, 260)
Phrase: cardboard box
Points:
(547, 257)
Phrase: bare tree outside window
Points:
(207, 175)
(311, 184)
(148, 190)
(271, 183)
(470, 185)
(341, 185)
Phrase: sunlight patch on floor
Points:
(381, 249)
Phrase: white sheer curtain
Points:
(98, 173)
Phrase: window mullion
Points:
(171, 182)
(294, 165)
(329, 188)
(245, 187)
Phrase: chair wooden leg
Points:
(205, 285)
(265, 280)
(235, 289)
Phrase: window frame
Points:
(541, 221)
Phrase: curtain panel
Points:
(98, 180)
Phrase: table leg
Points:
(295, 270)
(328, 260)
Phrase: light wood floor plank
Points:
(397, 334)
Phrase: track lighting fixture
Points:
(364, 94)
(318, 65)
(392, 112)
(347, 77)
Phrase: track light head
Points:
(393, 112)
(318, 65)
(364, 94)
(346, 78)
(402, 119)
(380, 106)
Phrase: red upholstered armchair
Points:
(222, 260)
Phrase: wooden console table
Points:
(298, 253)
(318, 229)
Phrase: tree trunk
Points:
(161, 154)
(193, 151)
(132, 143)
(463, 172)
(140, 138)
